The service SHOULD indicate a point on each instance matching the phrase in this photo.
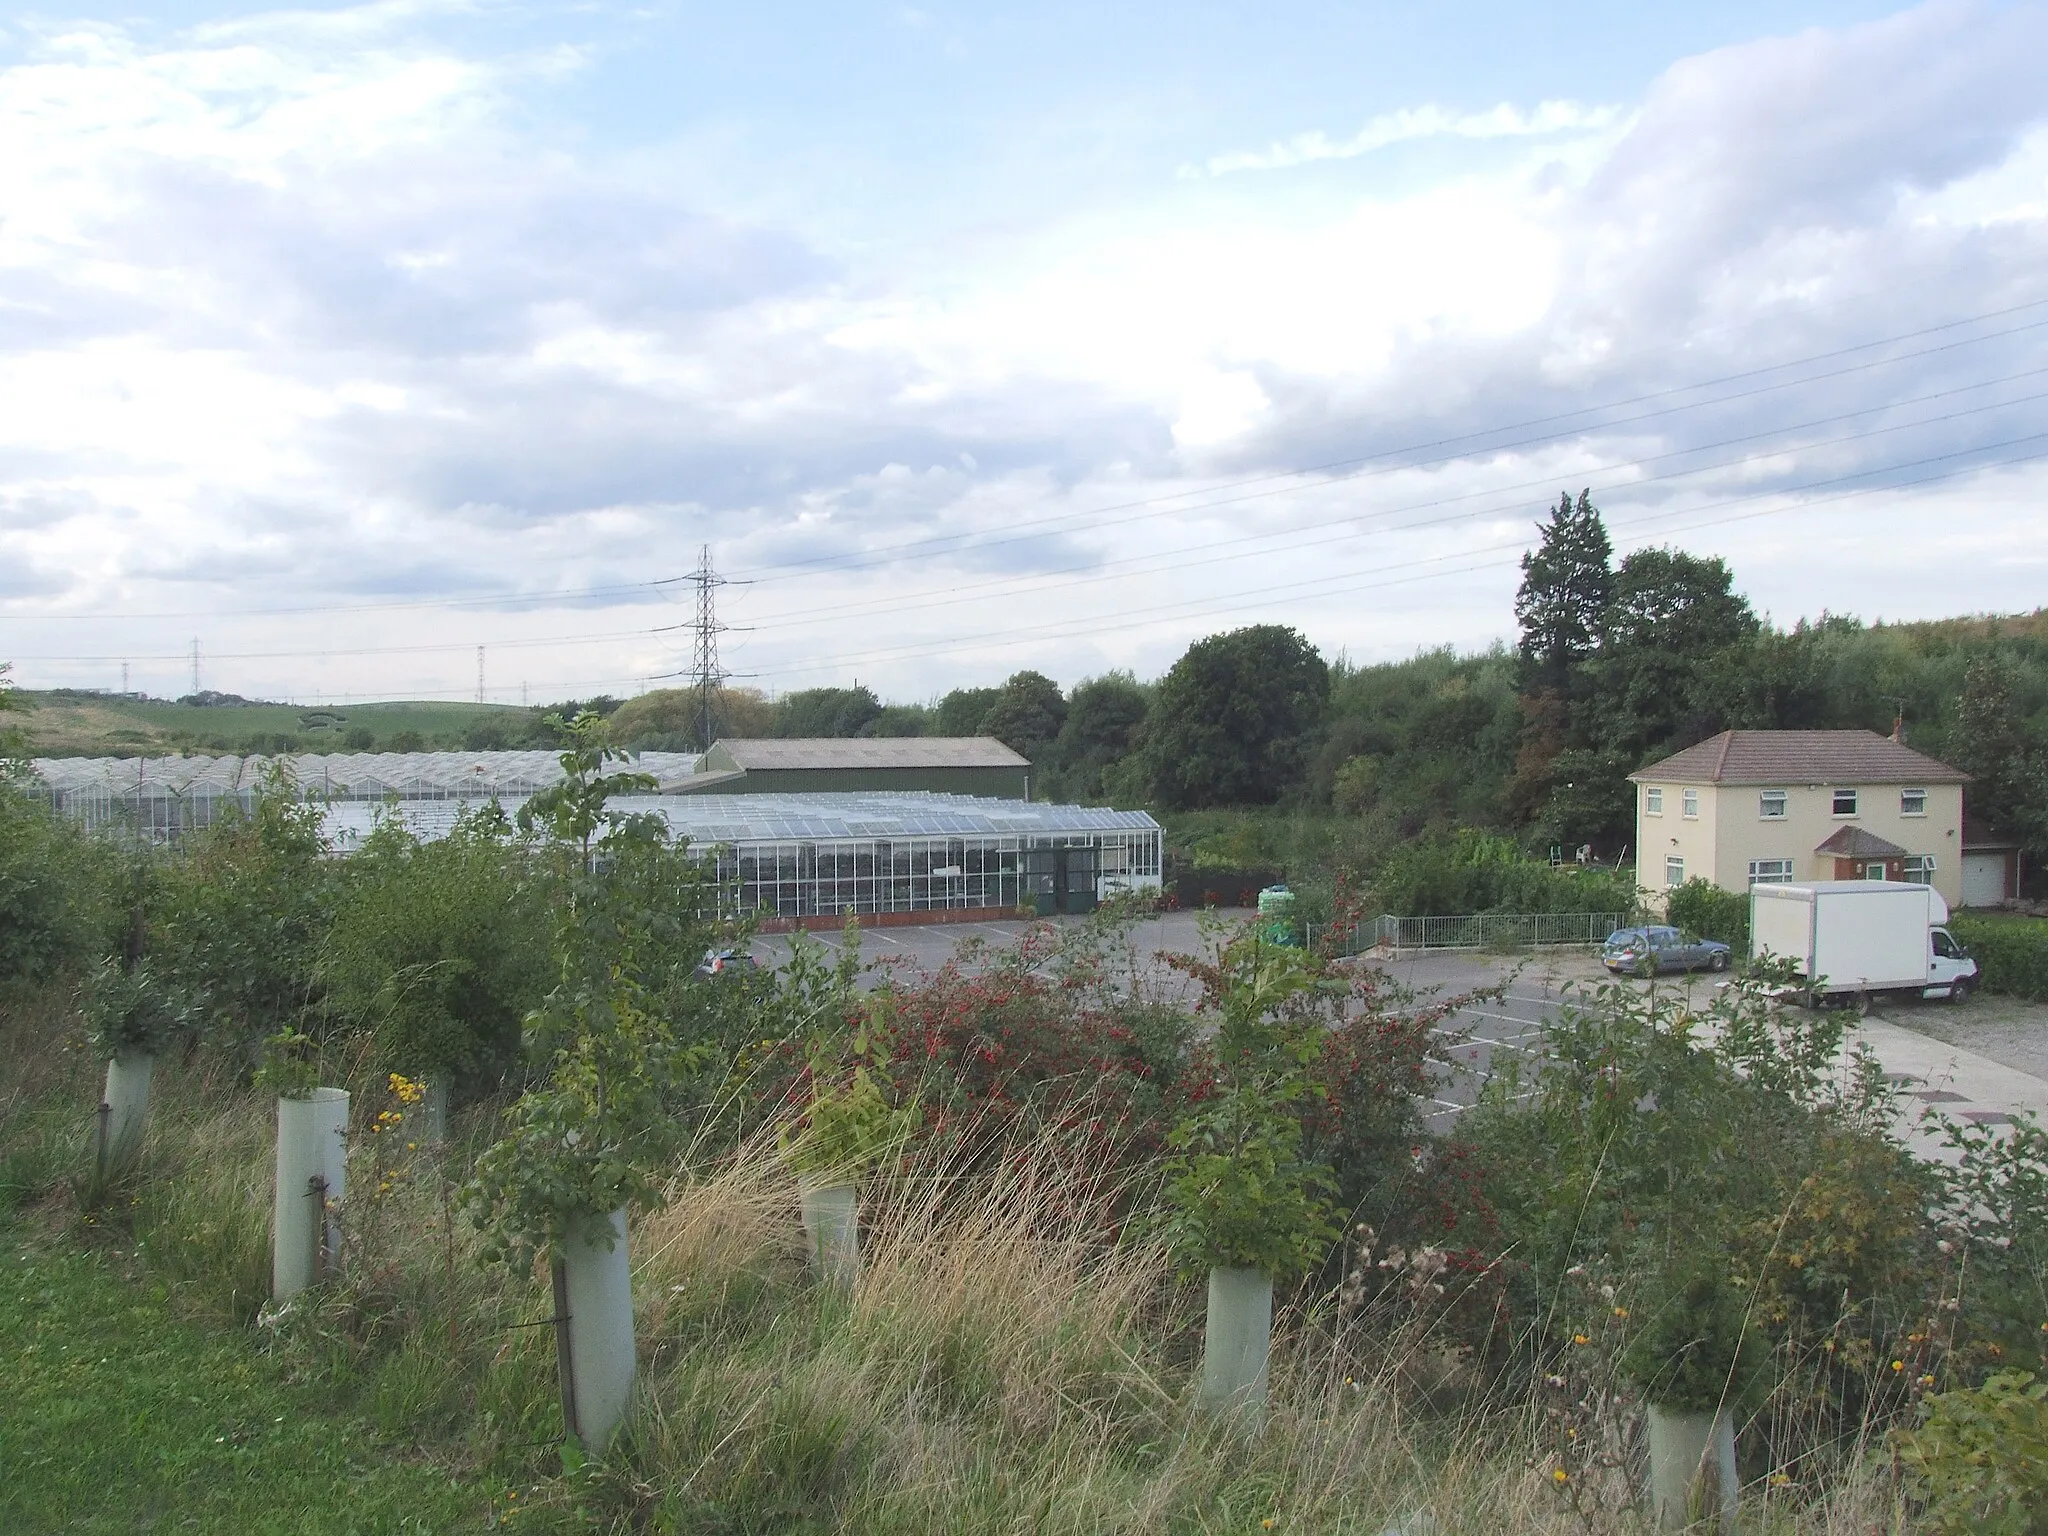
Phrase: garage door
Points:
(1983, 879)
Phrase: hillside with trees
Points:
(1258, 750)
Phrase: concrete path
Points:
(1955, 1083)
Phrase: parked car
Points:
(731, 964)
(1632, 951)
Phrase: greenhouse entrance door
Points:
(1061, 879)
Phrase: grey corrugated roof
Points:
(872, 752)
(1856, 843)
(1800, 757)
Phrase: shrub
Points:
(438, 949)
(1471, 872)
(2012, 953)
(1978, 1459)
(244, 911)
(56, 883)
(1701, 907)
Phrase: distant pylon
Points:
(479, 674)
(704, 670)
(195, 663)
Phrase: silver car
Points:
(1640, 951)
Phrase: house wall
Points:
(1673, 834)
(1721, 844)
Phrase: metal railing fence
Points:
(1477, 930)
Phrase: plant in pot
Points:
(1242, 1202)
(312, 1164)
(593, 1139)
(849, 1128)
(1696, 1360)
(133, 1017)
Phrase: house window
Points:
(1653, 801)
(1919, 868)
(1691, 801)
(1674, 871)
(1912, 802)
(1770, 805)
(1845, 802)
(1770, 871)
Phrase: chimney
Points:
(1899, 728)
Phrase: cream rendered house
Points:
(1749, 807)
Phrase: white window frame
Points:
(1772, 804)
(1912, 802)
(1689, 804)
(1653, 799)
(1674, 870)
(1770, 871)
(1919, 869)
(1835, 803)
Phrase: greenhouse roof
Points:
(339, 775)
(877, 816)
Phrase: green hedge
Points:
(1701, 907)
(2012, 953)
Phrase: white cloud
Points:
(1505, 121)
(307, 312)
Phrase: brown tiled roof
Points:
(873, 752)
(1800, 757)
(1855, 843)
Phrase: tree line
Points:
(1617, 663)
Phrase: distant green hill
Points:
(67, 723)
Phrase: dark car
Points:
(728, 963)
(1637, 951)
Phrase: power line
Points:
(1162, 505)
(708, 679)
(1095, 570)
(1396, 459)
(1343, 581)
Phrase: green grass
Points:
(121, 1415)
(81, 724)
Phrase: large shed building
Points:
(951, 765)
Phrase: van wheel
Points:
(1959, 991)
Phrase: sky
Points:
(339, 342)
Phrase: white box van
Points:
(1861, 938)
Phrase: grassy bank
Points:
(998, 1368)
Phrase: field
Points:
(68, 724)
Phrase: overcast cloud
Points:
(342, 342)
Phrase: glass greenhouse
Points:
(790, 855)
